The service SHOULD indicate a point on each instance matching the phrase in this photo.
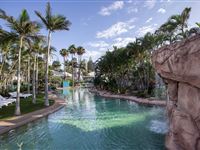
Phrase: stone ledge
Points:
(143, 101)
(18, 121)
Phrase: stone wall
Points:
(179, 65)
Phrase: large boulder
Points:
(179, 61)
(179, 65)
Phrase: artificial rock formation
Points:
(179, 65)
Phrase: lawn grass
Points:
(26, 106)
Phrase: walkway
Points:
(15, 122)
(145, 101)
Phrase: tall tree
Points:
(72, 50)
(90, 65)
(180, 21)
(64, 53)
(37, 48)
(80, 52)
(22, 28)
(56, 65)
(52, 23)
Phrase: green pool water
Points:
(90, 122)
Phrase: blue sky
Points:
(99, 24)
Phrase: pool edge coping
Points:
(18, 121)
(143, 101)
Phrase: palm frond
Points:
(80, 50)
(42, 18)
(64, 52)
(53, 22)
(24, 17)
(7, 36)
(198, 24)
(60, 22)
(48, 13)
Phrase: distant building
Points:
(61, 74)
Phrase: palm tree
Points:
(4, 47)
(184, 18)
(52, 23)
(56, 65)
(6, 39)
(72, 50)
(22, 28)
(80, 52)
(9, 61)
(36, 49)
(180, 21)
(28, 61)
(167, 30)
(64, 53)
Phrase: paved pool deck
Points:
(17, 121)
(144, 101)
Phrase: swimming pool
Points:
(90, 122)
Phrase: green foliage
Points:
(160, 93)
(23, 87)
(80, 50)
(72, 49)
(56, 65)
(143, 94)
(70, 82)
(4, 92)
(55, 82)
(53, 22)
(126, 68)
(64, 52)
(129, 68)
(198, 24)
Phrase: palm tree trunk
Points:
(28, 76)
(79, 72)
(72, 72)
(36, 76)
(17, 108)
(64, 68)
(73, 76)
(2, 64)
(33, 81)
(47, 70)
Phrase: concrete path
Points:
(15, 122)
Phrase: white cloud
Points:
(94, 54)
(106, 11)
(165, 1)
(129, 1)
(143, 30)
(117, 29)
(149, 20)
(161, 10)
(132, 10)
(150, 4)
(103, 49)
(98, 44)
(122, 42)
